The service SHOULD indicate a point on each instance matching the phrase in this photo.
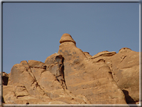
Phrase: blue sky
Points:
(31, 31)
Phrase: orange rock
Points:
(36, 64)
(67, 38)
(90, 79)
(87, 54)
(125, 69)
(72, 76)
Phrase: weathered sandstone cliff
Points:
(72, 76)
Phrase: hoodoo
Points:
(66, 38)
(72, 76)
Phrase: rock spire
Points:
(66, 38)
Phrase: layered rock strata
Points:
(72, 76)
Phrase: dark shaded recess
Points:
(3, 99)
(27, 103)
(128, 98)
(44, 67)
(62, 69)
(60, 61)
(111, 74)
(5, 80)
(63, 61)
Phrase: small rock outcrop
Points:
(125, 70)
(72, 76)
(67, 38)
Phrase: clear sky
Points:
(31, 31)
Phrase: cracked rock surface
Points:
(72, 76)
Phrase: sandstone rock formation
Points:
(72, 76)
(125, 71)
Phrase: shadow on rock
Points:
(3, 100)
(129, 99)
(5, 79)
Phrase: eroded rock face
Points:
(87, 78)
(125, 69)
(35, 82)
(72, 76)
(55, 64)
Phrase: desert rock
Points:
(125, 69)
(90, 79)
(67, 38)
(72, 76)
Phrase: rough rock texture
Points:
(91, 79)
(32, 83)
(72, 76)
(125, 71)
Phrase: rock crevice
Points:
(72, 76)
